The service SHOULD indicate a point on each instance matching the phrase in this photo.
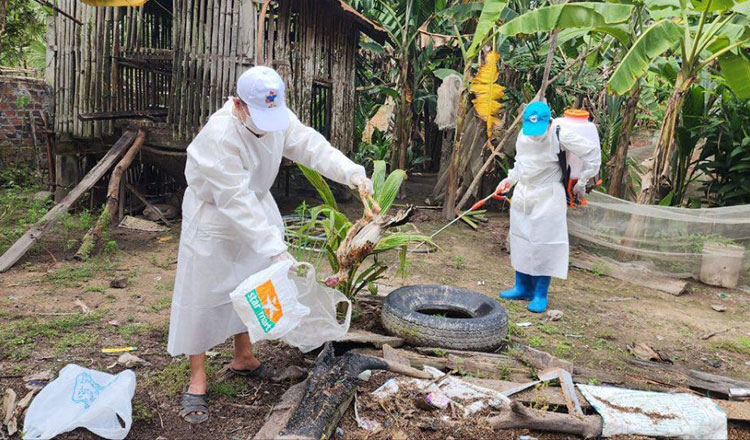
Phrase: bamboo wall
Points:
(188, 61)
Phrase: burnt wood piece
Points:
(329, 391)
(23, 244)
(152, 114)
(520, 417)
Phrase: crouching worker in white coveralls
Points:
(538, 225)
(231, 226)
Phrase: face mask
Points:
(249, 124)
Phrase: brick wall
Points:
(18, 96)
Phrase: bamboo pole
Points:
(94, 234)
(206, 83)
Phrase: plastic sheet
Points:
(669, 240)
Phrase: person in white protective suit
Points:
(231, 226)
(538, 226)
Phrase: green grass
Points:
(161, 304)
(165, 286)
(75, 340)
(19, 337)
(230, 388)
(535, 341)
(740, 346)
(98, 289)
(172, 378)
(563, 349)
(70, 275)
(141, 412)
(549, 329)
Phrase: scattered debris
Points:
(474, 397)
(164, 239)
(119, 283)
(365, 375)
(630, 412)
(128, 360)
(540, 360)
(339, 432)
(573, 335)
(554, 315)
(139, 224)
(712, 334)
(84, 308)
(114, 323)
(212, 354)
(739, 393)
(724, 295)
(365, 423)
(9, 410)
(646, 353)
(437, 400)
(279, 415)
(523, 324)
(718, 307)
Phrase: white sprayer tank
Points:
(578, 121)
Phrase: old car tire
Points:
(442, 316)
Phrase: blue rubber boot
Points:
(522, 289)
(541, 286)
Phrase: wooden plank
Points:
(23, 244)
(541, 360)
(632, 275)
(281, 412)
(486, 367)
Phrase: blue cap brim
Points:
(535, 128)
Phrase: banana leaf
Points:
(735, 69)
(487, 19)
(567, 16)
(658, 38)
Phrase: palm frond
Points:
(389, 190)
(320, 185)
(399, 239)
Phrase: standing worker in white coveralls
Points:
(231, 226)
(538, 225)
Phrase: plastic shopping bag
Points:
(321, 325)
(267, 303)
(79, 397)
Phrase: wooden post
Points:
(114, 200)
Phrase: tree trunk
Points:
(618, 162)
(656, 181)
(3, 16)
(451, 189)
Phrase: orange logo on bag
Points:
(265, 304)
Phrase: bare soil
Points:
(42, 328)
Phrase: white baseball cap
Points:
(263, 90)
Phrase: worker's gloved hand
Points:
(363, 183)
(580, 190)
(285, 256)
(504, 186)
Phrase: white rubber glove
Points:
(580, 190)
(504, 186)
(363, 183)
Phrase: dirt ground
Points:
(42, 327)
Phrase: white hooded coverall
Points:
(231, 225)
(538, 226)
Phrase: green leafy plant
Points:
(335, 226)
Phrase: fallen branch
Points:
(94, 234)
(23, 244)
(520, 417)
(511, 130)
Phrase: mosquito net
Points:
(673, 241)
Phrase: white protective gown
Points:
(231, 225)
(538, 226)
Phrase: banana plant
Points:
(335, 224)
(699, 34)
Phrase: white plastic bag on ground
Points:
(321, 325)
(674, 415)
(267, 303)
(79, 397)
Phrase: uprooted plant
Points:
(348, 244)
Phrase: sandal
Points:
(262, 372)
(194, 407)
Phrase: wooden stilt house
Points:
(167, 66)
